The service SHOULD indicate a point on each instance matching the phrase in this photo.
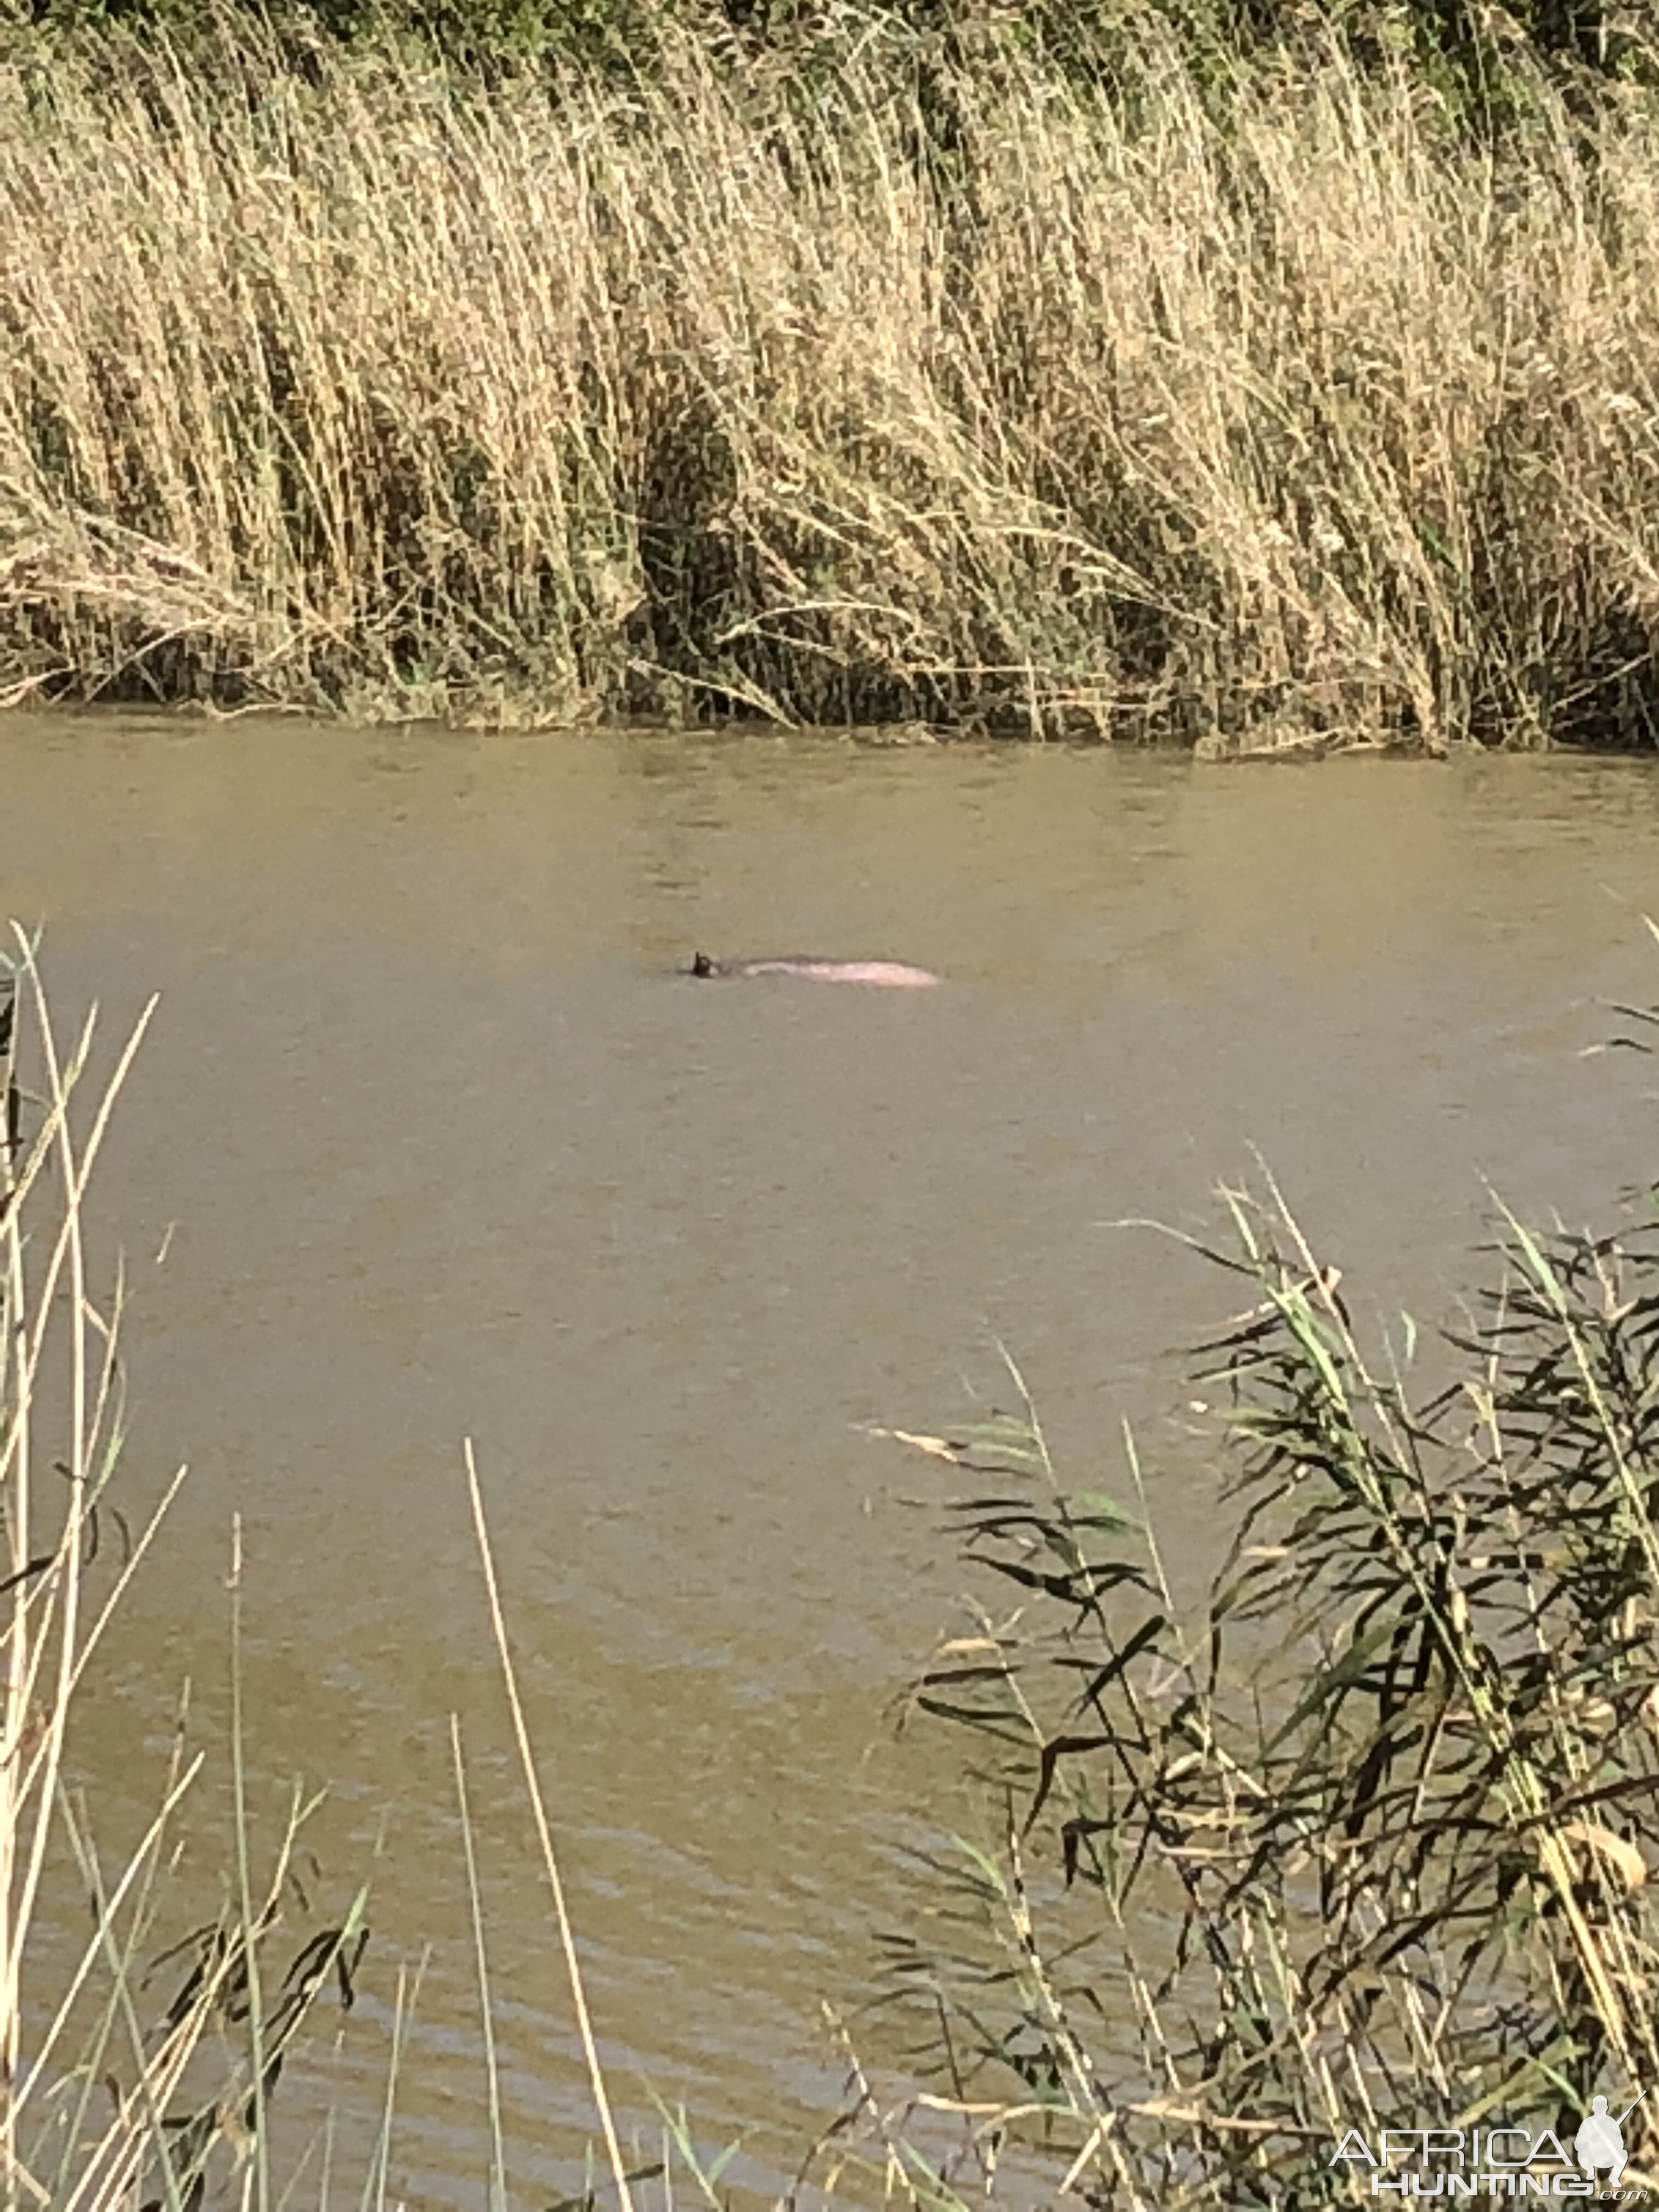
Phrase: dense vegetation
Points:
(1465, 38)
(1125, 371)
(1368, 1843)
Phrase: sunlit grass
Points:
(375, 391)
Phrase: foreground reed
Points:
(1268, 414)
(124, 2078)
(1369, 1844)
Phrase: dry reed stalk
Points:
(545, 1838)
(55, 1458)
(389, 394)
(107, 2092)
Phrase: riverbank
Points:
(1275, 413)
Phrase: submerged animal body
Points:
(890, 975)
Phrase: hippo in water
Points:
(893, 974)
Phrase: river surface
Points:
(433, 1144)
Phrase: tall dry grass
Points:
(1286, 418)
(134, 2072)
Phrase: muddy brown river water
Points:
(438, 1144)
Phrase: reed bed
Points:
(1273, 411)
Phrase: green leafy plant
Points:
(1368, 1842)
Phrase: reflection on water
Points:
(441, 1146)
